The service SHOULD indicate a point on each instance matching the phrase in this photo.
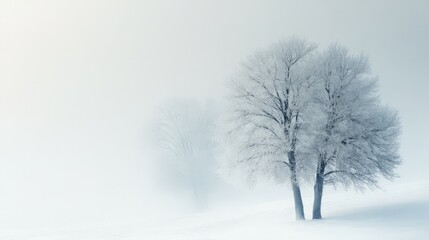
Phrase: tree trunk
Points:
(318, 191)
(299, 206)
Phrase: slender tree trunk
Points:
(198, 194)
(299, 206)
(318, 190)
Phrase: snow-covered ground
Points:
(400, 211)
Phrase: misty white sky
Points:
(80, 79)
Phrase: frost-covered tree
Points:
(185, 135)
(268, 121)
(355, 136)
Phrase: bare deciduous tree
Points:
(186, 135)
(268, 114)
(356, 138)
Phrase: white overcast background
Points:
(80, 81)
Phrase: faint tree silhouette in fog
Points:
(186, 130)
